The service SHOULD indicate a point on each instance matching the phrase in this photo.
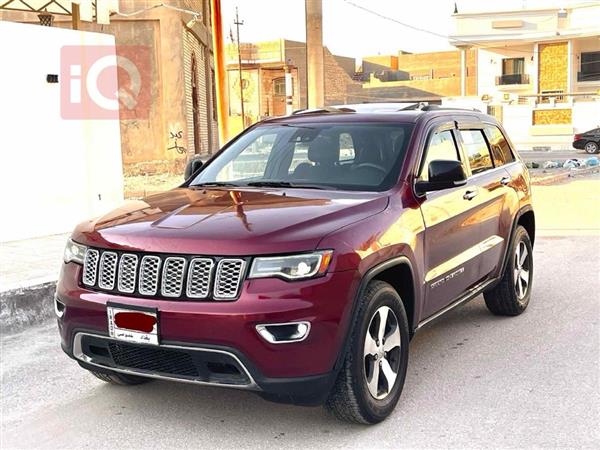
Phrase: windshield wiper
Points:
(287, 184)
(215, 184)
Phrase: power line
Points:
(440, 35)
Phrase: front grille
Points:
(173, 277)
(153, 359)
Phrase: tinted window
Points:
(477, 150)
(441, 146)
(498, 145)
(344, 156)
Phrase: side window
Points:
(441, 146)
(477, 150)
(499, 146)
(346, 148)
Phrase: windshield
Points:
(327, 156)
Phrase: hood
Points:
(229, 222)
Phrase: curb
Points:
(550, 179)
(26, 306)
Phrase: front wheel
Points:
(591, 148)
(511, 296)
(370, 381)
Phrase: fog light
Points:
(281, 333)
(59, 308)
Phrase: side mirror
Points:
(443, 174)
(192, 167)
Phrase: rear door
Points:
(492, 195)
(452, 231)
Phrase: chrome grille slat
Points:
(172, 276)
(199, 276)
(149, 272)
(127, 272)
(228, 279)
(108, 270)
(90, 266)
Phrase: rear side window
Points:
(477, 150)
(441, 146)
(499, 146)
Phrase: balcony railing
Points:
(513, 78)
(586, 76)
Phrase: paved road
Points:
(474, 381)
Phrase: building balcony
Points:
(584, 76)
(512, 79)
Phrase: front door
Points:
(452, 234)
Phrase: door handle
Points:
(505, 181)
(470, 195)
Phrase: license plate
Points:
(132, 323)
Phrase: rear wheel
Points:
(511, 296)
(119, 378)
(372, 376)
(591, 147)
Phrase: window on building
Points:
(441, 146)
(214, 93)
(501, 151)
(477, 150)
(513, 66)
(590, 67)
(279, 86)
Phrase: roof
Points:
(373, 113)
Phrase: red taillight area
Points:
(135, 321)
(577, 137)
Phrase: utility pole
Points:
(314, 53)
(237, 25)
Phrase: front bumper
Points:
(293, 370)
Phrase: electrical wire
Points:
(440, 35)
(197, 15)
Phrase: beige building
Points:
(538, 69)
(264, 65)
(182, 117)
(428, 76)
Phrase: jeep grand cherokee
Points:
(299, 261)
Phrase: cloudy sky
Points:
(350, 31)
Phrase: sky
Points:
(349, 31)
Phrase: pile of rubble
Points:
(592, 161)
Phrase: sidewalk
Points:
(28, 273)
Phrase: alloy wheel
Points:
(522, 270)
(591, 148)
(382, 352)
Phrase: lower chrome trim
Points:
(469, 295)
(263, 331)
(79, 355)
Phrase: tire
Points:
(591, 147)
(511, 295)
(119, 378)
(351, 399)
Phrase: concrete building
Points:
(538, 70)
(264, 65)
(407, 76)
(181, 120)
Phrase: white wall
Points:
(54, 173)
(586, 115)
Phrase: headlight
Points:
(294, 267)
(74, 252)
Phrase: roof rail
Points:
(446, 108)
(327, 109)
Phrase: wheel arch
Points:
(397, 272)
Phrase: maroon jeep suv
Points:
(299, 260)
